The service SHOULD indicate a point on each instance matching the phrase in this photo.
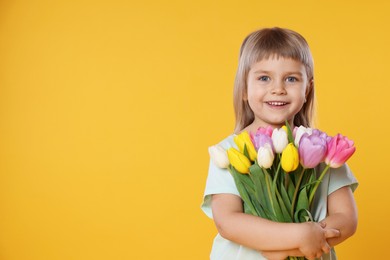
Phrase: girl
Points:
(274, 83)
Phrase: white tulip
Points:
(279, 139)
(219, 156)
(300, 131)
(265, 156)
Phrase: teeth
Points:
(276, 103)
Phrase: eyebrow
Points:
(288, 72)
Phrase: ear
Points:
(245, 95)
(309, 87)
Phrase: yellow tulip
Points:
(290, 158)
(239, 161)
(243, 140)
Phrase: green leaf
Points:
(285, 210)
(302, 215)
(274, 202)
(246, 179)
(246, 153)
(243, 192)
(290, 187)
(286, 199)
(289, 133)
(302, 206)
(247, 182)
(258, 178)
(312, 180)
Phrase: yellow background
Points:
(107, 109)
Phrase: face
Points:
(276, 91)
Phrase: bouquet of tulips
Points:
(275, 169)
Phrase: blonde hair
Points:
(263, 44)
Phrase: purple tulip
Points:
(340, 149)
(312, 148)
(259, 140)
(299, 131)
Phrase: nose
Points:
(278, 88)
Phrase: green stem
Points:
(276, 175)
(269, 190)
(312, 193)
(296, 191)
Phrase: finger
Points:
(323, 224)
(330, 233)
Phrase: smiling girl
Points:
(275, 83)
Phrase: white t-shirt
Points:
(221, 181)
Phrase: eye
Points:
(264, 78)
(291, 79)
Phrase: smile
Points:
(276, 103)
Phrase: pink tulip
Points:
(262, 136)
(312, 149)
(259, 140)
(340, 149)
(265, 130)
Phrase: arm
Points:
(265, 235)
(342, 214)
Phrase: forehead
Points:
(278, 64)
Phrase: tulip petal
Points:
(219, 156)
(290, 158)
(340, 149)
(239, 161)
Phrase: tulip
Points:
(219, 156)
(279, 139)
(340, 149)
(298, 132)
(265, 156)
(265, 130)
(312, 149)
(290, 158)
(262, 139)
(261, 131)
(238, 160)
(243, 140)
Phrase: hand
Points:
(329, 232)
(313, 239)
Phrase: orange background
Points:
(107, 109)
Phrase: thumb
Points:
(331, 232)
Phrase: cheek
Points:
(254, 95)
(301, 93)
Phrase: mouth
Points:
(276, 103)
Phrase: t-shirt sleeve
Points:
(341, 177)
(218, 181)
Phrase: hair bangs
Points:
(275, 43)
